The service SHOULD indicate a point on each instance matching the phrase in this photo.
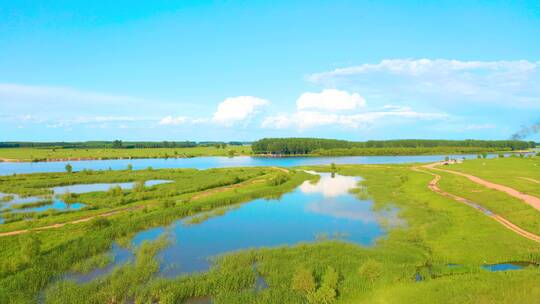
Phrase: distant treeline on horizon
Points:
(288, 146)
(116, 144)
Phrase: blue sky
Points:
(242, 70)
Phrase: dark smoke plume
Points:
(526, 131)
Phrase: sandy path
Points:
(433, 186)
(77, 221)
(8, 160)
(529, 199)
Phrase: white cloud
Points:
(235, 109)
(93, 121)
(169, 120)
(418, 67)
(18, 96)
(439, 81)
(330, 99)
(179, 120)
(480, 126)
(310, 119)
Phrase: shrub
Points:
(139, 186)
(100, 222)
(303, 281)
(371, 270)
(115, 191)
(279, 179)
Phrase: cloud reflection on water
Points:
(330, 186)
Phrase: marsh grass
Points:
(21, 280)
(31, 205)
(438, 232)
(94, 262)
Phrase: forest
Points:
(294, 146)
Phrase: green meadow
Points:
(522, 174)
(434, 254)
(55, 154)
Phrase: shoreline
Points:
(10, 160)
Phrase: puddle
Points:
(507, 266)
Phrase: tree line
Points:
(116, 144)
(292, 146)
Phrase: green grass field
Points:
(436, 231)
(514, 172)
(47, 154)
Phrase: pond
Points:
(507, 266)
(56, 203)
(311, 212)
(216, 162)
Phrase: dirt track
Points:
(433, 186)
(528, 199)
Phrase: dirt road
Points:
(433, 186)
(528, 199)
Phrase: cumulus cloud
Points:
(510, 83)
(330, 99)
(235, 109)
(325, 109)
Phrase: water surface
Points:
(508, 266)
(217, 162)
(324, 210)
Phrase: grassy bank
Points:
(60, 154)
(436, 232)
(30, 261)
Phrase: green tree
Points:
(130, 167)
(117, 144)
(69, 168)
